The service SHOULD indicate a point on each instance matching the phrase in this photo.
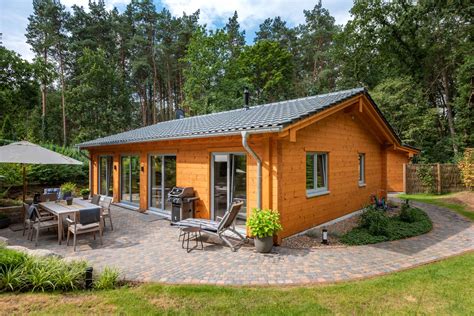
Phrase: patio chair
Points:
(95, 199)
(46, 197)
(57, 191)
(28, 222)
(105, 203)
(38, 222)
(85, 221)
(220, 227)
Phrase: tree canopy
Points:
(100, 71)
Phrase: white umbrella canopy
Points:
(28, 153)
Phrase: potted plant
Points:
(85, 193)
(67, 190)
(4, 221)
(263, 225)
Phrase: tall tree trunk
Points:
(155, 79)
(63, 101)
(449, 110)
(43, 99)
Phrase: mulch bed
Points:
(308, 240)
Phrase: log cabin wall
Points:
(193, 167)
(395, 161)
(343, 136)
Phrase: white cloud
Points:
(14, 14)
(253, 12)
(14, 20)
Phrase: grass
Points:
(440, 288)
(440, 200)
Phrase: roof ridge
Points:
(261, 105)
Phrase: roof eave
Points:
(275, 129)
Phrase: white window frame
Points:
(317, 191)
(361, 162)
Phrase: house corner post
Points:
(404, 178)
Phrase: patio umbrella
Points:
(27, 153)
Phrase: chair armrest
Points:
(70, 221)
(218, 218)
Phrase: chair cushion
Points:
(84, 227)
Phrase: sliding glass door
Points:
(162, 179)
(130, 179)
(106, 174)
(229, 182)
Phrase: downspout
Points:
(245, 136)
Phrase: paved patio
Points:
(149, 251)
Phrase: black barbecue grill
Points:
(182, 203)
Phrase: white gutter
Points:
(245, 136)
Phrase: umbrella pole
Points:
(24, 182)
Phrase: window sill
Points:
(362, 185)
(310, 194)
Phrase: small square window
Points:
(361, 169)
(316, 173)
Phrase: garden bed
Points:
(377, 226)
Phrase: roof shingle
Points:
(272, 117)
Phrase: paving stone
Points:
(150, 251)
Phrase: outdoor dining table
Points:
(61, 209)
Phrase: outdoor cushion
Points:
(199, 222)
(84, 227)
(89, 215)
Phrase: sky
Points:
(214, 13)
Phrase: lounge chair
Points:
(220, 227)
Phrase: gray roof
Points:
(270, 117)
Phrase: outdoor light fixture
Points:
(325, 237)
(88, 278)
(115, 167)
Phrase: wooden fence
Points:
(444, 178)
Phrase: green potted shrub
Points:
(263, 225)
(85, 193)
(67, 190)
(4, 221)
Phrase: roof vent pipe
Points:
(246, 97)
(245, 136)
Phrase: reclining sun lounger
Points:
(218, 228)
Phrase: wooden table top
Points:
(58, 207)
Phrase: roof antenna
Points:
(246, 97)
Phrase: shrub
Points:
(466, 166)
(68, 187)
(21, 272)
(85, 192)
(264, 223)
(11, 259)
(107, 279)
(409, 214)
(373, 229)
(375, 221)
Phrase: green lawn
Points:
(440, 288)
(440, 201)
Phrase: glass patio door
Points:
(130, 179)
(106, 180)
(229, 182)
(162, 179)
